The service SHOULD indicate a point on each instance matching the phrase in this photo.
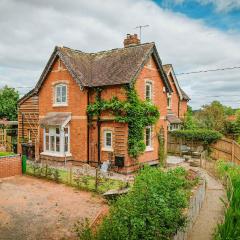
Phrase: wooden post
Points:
(232, 158)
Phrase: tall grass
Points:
(230, 228)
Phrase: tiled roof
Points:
(167, 68)
(173, 119)
(117, 66)
(185, 96)
(105, 68)
(55, 119)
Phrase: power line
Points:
(209, 70)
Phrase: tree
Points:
(212, 117)
(8, 103)
(189, 120)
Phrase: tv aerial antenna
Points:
(140, 29)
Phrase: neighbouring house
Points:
(177, 100)
(53, 116)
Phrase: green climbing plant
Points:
(136, 113)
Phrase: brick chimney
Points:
(131, 40)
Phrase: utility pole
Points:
(140, 30)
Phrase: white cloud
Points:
(31, 29)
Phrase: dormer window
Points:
(148, 91)
(61, 95)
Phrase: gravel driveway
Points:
(32, 208)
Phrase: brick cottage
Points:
(53, 116)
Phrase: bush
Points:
(203, 135)
(153, 209)
(230, 228)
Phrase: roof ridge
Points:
(103, 51)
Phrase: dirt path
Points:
(211, 212)
(34, 209)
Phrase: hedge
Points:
(203, 135)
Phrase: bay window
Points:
(56, 140)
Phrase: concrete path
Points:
(212, 210)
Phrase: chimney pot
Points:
(131, 39)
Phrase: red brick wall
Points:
(175, 97)
(10, 166)
(77, 105)
(150, 73)
(183, 108)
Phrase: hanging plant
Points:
(136, 113)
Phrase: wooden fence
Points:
(226, 149)
(174, 144)
(7, 138)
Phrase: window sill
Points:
(107, 149)
(54, 154)
(149, 149)
(60, 105)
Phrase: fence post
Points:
(232, 151)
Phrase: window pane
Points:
(65, 130)
(148, 91)
(47, 143)
(64, 93)
(46, 130)
(57, 130)
(58, 94)
(52, 143)
(66, 144)
(57, 144)
(108, 139)
(148, 137)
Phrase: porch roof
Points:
(173, 119)
(56, 119)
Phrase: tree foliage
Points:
(138, 114)
(212, 116)
(8, 103)
(189, 121)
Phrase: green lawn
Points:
(3, 154)
(84, 182)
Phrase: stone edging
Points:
(194, 208)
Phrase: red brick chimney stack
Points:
(131, 40)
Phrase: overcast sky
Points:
(192, 35)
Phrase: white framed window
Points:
(174, 126)
(169, 101)
(148, 138)
(56, 140)
(108, 139)
(60, 94)
(148, 91)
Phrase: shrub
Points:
(230, 228)
(203, 135)
(153, 209)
